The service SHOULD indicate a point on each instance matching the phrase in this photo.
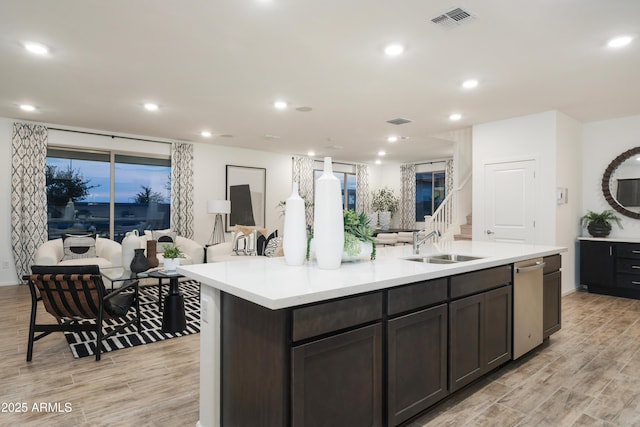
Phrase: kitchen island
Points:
(275, 338)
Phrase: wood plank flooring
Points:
(588, 374)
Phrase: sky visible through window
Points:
(129, 179)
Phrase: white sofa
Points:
(192, 250)
(108, 254)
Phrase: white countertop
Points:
(270, 282)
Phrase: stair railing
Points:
(445, 218)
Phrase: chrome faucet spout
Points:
(418, 242)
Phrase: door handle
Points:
(538, 265)
(489, 232)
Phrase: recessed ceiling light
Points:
(620, 41)
(37, 48)
(27, 107)
(394, 49)
(392, 139)
(469, 84)
(280, 105)
(311, 153)
(455, 117)
(378, 162)
(151, 106)
(205, 133)
(382, 153)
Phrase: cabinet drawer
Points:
(628, 250)
(628, 266)
(416, 295)
(552, 263)
(335, 315)
(628, 281)
(478, 281)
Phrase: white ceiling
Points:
(219, 65)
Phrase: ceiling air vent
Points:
(399, 121)
(453, 18)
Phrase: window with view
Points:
(85, 196)
(430, 192)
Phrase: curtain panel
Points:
(408, 196)
(182, 189)
(448, 177)
(28, 193)
(363, 203)
(303, 174)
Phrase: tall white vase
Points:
(294, 241)
(328, 222)
(130, 242)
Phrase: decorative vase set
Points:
(328, 223)
(133, 257)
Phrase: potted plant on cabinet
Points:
(171, 255)
(386, 204)
(598, 224)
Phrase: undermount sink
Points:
(442, 259)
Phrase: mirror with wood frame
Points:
(621, 183)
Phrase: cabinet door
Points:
(466, 336)
(417, 362)
(597, 266)
(497, 325)
(552, 308)
(337, 381)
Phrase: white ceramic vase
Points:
(294, 241)
(328, 222)
(170, 264)
(364, 254)
(384, 218)
(130, 242)
(373, 219)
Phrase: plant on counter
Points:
(384, 200)
(356, 230)
(598, 224)
(172, 252)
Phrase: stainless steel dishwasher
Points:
(527, 306)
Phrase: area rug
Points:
(83, 343)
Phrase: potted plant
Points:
(358, 236)
(386, 204)
(598, 224)
(171, 255)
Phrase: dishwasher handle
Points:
(538, 265)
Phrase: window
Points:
(430, 192)
(84, 196)
(348, 191)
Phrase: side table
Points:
(173, 315)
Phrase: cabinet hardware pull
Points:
(635, 266)
(537, 266)
(635, 283)
(635, 252)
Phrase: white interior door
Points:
(510, 201)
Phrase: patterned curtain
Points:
(182, 189)
(362, 189)
(28, 193)
(448, 177)
(303, 175)
(408, 196)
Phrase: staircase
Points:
(444, 218)
(465, 230)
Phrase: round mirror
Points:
(621, 183)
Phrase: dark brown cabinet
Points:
(338, 380)
(417, 362)
(610, 268)
(479, 326)
(551, 296)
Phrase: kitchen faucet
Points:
(417, 243)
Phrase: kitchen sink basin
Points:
(442, 259)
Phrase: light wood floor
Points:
(586, 374)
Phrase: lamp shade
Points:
(218, 206)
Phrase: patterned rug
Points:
(83, 343)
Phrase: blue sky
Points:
(129, 178)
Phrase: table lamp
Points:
(218, 207)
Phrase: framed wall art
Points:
(246, 190)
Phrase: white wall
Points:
(602, 142)
(553, 140)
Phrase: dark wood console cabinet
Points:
(610, 267)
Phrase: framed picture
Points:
(246, 190)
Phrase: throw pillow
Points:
(164, 238)
(262, 243)
(272, 247)
(79, 246)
